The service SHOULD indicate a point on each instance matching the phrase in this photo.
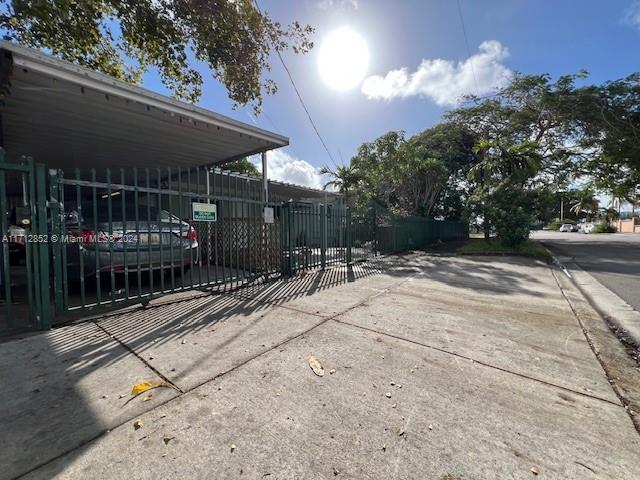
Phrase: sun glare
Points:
(343, 59)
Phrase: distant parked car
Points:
(586, 228)
(567, 227)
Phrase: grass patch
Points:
(529, 248)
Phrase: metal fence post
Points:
(323, 235)
(349, 234)
(56, 250)
(290, 239)
(42, 248)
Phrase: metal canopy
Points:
(70, 117)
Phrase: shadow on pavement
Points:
(64, 387)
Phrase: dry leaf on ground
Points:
(142, 387)
(316, 366)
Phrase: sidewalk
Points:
(435, 367)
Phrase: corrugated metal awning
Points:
(67, 116)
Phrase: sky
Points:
(418, 66)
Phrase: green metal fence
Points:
(402, 234)
(315, 235)
(134, 234)
(24, 257)
(92, 240)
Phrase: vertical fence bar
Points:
(228, 219)
(213, 253)
(180, 216)
(56, 252)
(136, 213)
(188, 212)
(96, 237)
(323, 235)
(161, 232)
(6, 268)
(349, 228)
(158, 220)
(33, 259)
(201, 233)
(170, 206)
(112, 274)
(43, 248)
(125, 239)
(81, 247)
(62, 241)
(31, 281)
(245, 227)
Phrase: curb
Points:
(624, 318)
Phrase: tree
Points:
(372, 164)
(243, 166)
(398, 174)
(342, 179)
(585, 202)
(609, 215)
(417, 179)
(453, 145)
(125, 38)
(609, 115)
(621, 193)
(524, 139)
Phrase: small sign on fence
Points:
(269, 215)
(204, 212)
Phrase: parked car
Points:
(157, 241)
(567, 227)
(16, 239)
(586, 228)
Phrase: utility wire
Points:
(466, 42)
(304, 106)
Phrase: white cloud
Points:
(284, 167)
(445, 81)
(329, 4)
(632, 15)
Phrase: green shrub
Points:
(509, 214)
(604, 228)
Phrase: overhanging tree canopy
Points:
(124, 38)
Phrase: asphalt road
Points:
(613, 259)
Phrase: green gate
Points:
(316, 235)
(24, 262)
(130, 235)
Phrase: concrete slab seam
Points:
(479, 362)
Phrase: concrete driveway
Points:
(612, 258)
(434, 368)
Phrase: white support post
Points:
(265, 182)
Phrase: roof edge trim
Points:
(34, 60)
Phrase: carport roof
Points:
(67, 116)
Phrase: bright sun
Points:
(343, 59)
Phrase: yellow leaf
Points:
(142, 387)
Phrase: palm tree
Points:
(585, 202)
(342, 179)
(623, 193)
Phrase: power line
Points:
(304, 106)
(466, 42)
